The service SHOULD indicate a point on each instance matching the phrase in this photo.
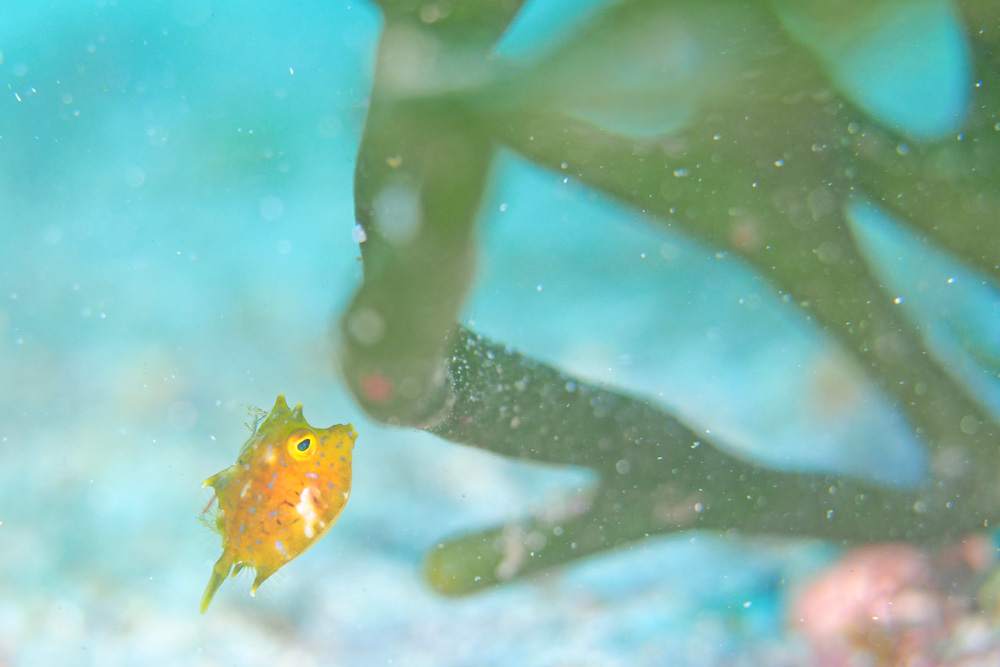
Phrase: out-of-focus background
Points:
(175, 241)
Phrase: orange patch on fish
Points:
(288, 486)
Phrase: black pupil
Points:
(303, 445)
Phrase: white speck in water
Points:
(623, 466)
(358, 234)
(397, 212)
(157, 135)
(329, 126)
(191, 12)
(503, 207)
(366, 326)
(951, 281)
(747, 604)
(898, 300)
(539, 288)
(271, 208)
(669, 251)
(680, 173)
(135, 177)
(182, 415)
(829, 514)
(969, 425)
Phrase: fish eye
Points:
(301, 444)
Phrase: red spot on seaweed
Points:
(376, 388)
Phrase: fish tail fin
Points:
(219, 574)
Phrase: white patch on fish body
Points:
(307, 510)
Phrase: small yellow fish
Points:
(288, 486)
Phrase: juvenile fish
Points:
(289, 484)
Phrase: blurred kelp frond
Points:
(821, 146)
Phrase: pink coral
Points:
(881, 600)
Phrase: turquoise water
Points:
(176, 224)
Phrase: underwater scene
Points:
(500, 332)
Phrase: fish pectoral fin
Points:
(219, 574)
